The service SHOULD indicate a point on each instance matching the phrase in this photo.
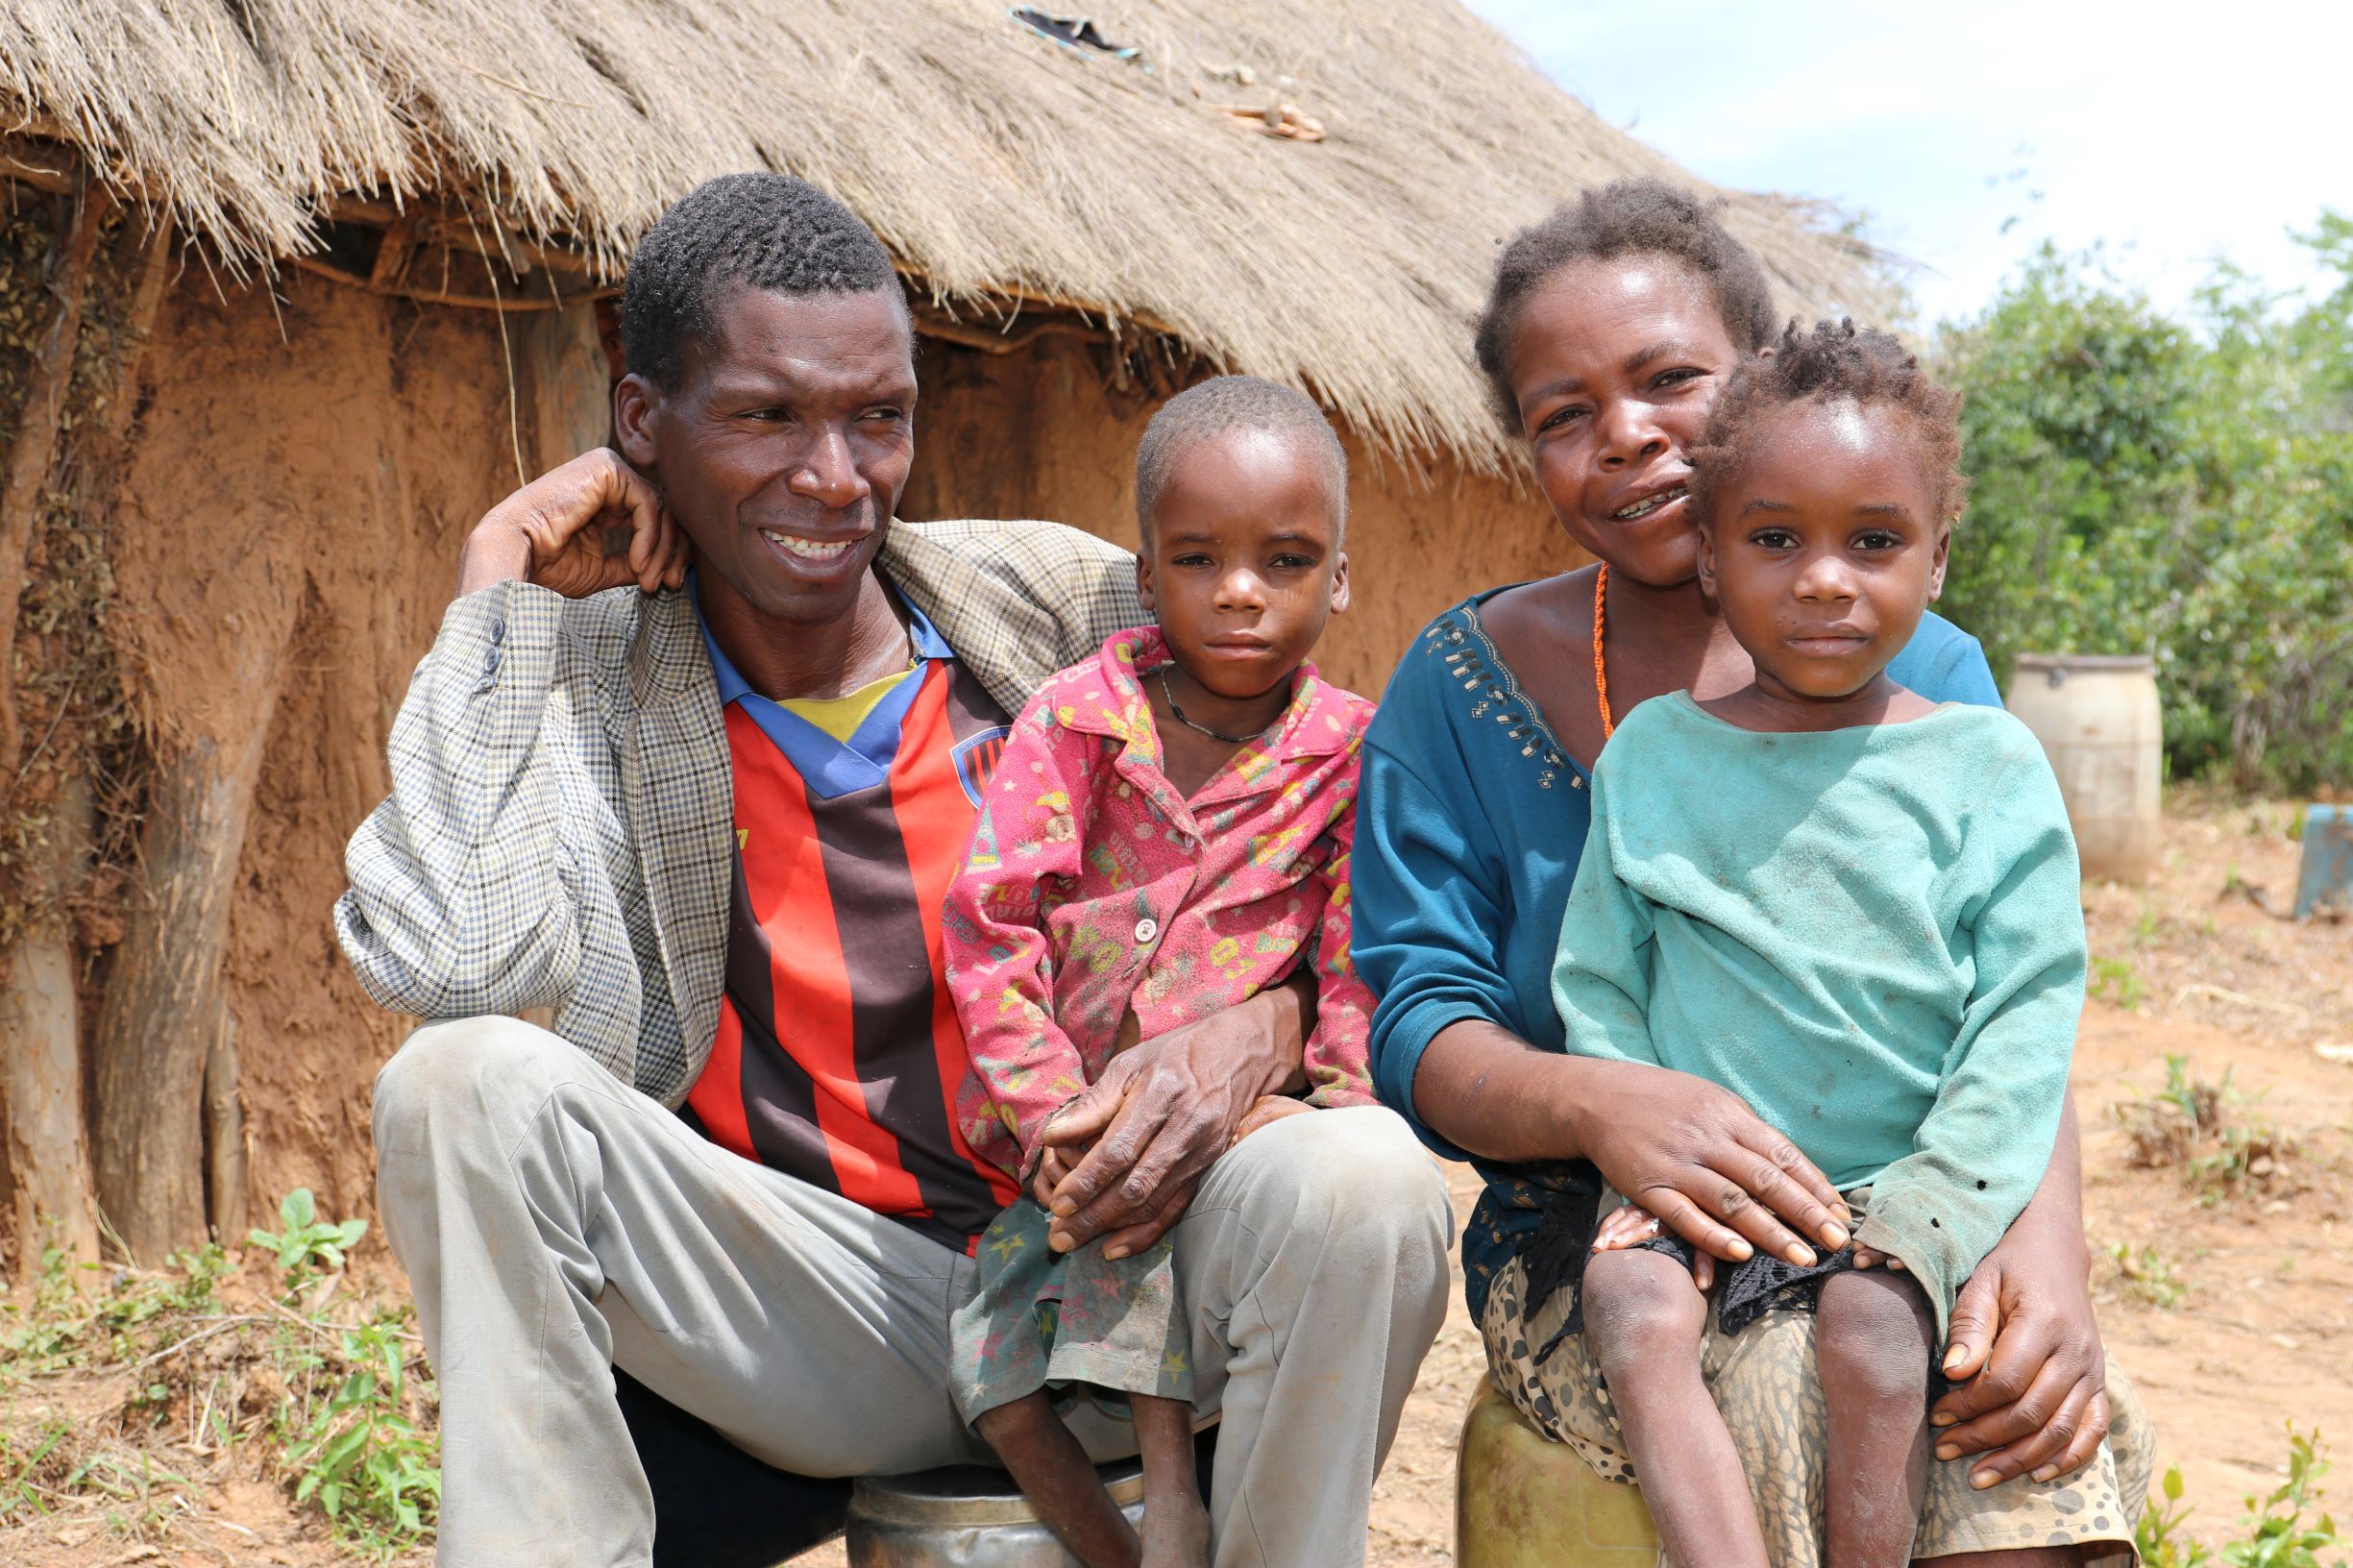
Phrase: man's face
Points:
(783, 447)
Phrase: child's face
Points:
(1244, 564)
(1825, 548)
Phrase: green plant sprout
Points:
(309, 1245)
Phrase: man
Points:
(709, 821)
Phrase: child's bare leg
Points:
(1059, 1479)
(1643, 1322)
(1872, 1335)
(1176, 1525)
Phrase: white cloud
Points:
(2172, 133)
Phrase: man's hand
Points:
(563, 532)
(1160, 1116)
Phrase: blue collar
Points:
(830, 768)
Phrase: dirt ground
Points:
(2241, 1319)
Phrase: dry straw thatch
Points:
(998, 166)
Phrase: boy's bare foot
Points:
(1175, 1531)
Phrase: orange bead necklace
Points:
(1601, 670)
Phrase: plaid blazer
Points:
(560, 828)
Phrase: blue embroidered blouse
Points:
(1470, 824)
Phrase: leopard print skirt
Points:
(1763, 1382)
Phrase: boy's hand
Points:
(1866, 1257)
(1630, 1226)
(1055, 1162)
(1268, 1110)
(1625, 1227)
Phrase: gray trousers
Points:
(555, 1223)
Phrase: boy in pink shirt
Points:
(1166, 834)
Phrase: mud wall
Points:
(1041, 433)
(285, 539)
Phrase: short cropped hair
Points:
(1625, 217)
(1223, 406)
(768, 232)
(1841, 363)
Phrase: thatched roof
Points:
(997, 165)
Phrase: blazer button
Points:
(1146, 929)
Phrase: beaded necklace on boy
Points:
(1178, 714)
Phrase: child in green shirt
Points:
(1856, 909)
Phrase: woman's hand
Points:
(2023, 1344)
(1696, 1156)
(2029, 1357)
(561, 531)
(1684, 1149)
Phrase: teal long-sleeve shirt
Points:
(1469, 828)
(1873, 935)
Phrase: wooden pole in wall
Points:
(40, 1065)
(47, 1142)
(164, 1007)
(223, 1133)
(35, 445)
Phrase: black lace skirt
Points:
(1556, 1253)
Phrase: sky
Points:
(1967, 131)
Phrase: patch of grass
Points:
(2113, 981)
(21, 1493)
(2192, 1125)
(342, 1415)
(372, 1472)
(2287, 1529)
(2148, 1275)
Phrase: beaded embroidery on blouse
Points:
(1471, 658)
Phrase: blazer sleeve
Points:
(466, 882)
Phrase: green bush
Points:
(2146, 485)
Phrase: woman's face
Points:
(1615, 365)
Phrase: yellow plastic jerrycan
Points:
(1522, 1500)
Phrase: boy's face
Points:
(1243, 564)
(1824, 550)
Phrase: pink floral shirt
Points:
(1092, 887)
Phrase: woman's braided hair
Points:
(1625, 217)
(1834, 363)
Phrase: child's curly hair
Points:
(1841, 363)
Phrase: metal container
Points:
(965, 1516)
(2099, 722)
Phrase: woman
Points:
(1611, 328)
